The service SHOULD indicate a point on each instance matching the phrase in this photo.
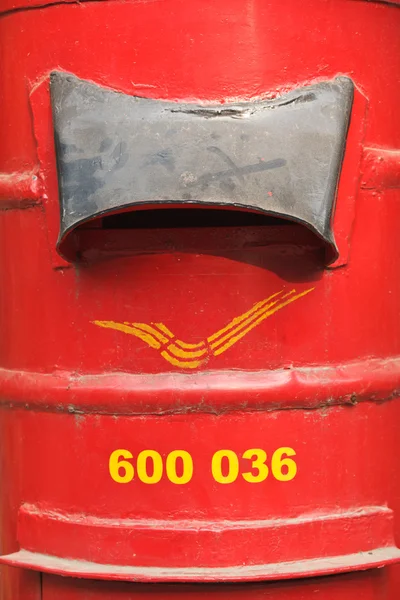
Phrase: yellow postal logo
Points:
(191, 356)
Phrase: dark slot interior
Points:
(178, 218)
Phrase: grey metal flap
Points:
(281, 157)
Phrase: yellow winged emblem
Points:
(191, 356)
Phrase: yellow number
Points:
(258, 458)
(141, 466)
(283, 467)
(187, 467)
(115, 464)
(233, 468)
(277, 464)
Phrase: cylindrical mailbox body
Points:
(200, 351)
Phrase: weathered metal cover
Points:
(280, 157)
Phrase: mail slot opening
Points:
(188, 217)
(191, 229)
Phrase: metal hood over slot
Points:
(281, 157)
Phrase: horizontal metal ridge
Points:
(372, 379)
(298, 569)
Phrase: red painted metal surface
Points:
(200, 340)
(367, 586)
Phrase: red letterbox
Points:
(199, 275)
